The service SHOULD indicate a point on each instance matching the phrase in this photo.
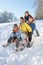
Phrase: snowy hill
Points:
(29, 56)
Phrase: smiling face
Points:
(30, 19)
(15, 29)
(26, 14)
(21, 20)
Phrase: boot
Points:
(29, 44)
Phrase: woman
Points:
(26, 29)
(29, 19)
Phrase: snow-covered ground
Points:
(29, 56)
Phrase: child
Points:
(26, 29)
(31, 22)
(15, 36)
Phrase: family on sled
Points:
(23, 32)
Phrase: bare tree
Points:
(39, 10)
(7, 17)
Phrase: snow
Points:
(29, 56)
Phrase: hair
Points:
(27, 12)
(16, 25)
(22, 18)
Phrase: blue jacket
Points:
(17, 34)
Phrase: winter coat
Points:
(16, 34)
(27, 18)
(25, 28)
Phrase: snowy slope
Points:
(31, 56)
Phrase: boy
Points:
(15, 36)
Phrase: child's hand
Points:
(26, 39)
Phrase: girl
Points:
(26, 29)
(29, 19)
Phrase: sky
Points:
(18, 7)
